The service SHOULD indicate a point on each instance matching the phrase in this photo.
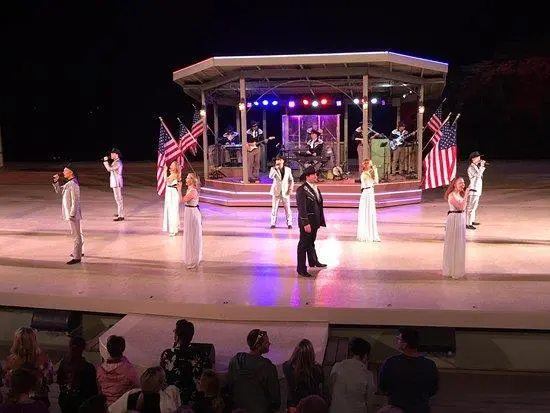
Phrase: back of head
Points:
(255, 339)
(95, 404)
(77, 345)
(185, 330)
(359, 347)
(210, 383)
(116, 346)
(22, 382)
(410, 336)
(390, 409)
(153, 380)
(312, 404)
(25, 345)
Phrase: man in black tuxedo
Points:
(310, 219)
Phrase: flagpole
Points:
(197, 141)
(457, 116)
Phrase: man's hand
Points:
(482, 163)
(105, 158)
(307, 228)
(56, 177)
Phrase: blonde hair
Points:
(368, 167)
(178, 170)
(25, 345)
(153, 380)
(195, 179)
(450, 189)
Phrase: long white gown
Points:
(192, 231)
(171, 221)
(454, 250)
(367, 228)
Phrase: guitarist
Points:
(399, 155)
(253, 136)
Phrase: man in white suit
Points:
(281, 189)
(475, 173)
(70, 208)
(115, 181)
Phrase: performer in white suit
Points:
(281, 189)
(70, 208)
(475, 173)
(115, 181)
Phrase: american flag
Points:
(168, 150)
(434, 124)
(186, 141)
(440, 163)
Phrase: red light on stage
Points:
(305, 102)
(324, 101)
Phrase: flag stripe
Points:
(440, 162)
(168, 150)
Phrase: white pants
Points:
(471, 208)
(119, 202)
(78, 239)
(275, 200)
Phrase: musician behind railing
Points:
(363, 143)
(230, 137)
(399, 154)
(253, 136)
(314, 143)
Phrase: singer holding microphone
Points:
(115, 181)
(475, 173)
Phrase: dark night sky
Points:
(77, 77)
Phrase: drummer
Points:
(314, 143)
(231, 142)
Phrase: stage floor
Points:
(249, 270)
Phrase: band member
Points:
(70, 208)
(367, 228)
(363, 143)
(454, 250)
(253, 136)
(171, 220)
(310, 218)
(314, 143)
(115, 181)
(281, 189)
(399, 155)
(475, 173)
(314, 128)
(231, 138)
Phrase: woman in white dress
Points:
(367, 229)
(192, 223)
(454, 251)
(171, 221)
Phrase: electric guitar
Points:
(255, 145)
(397, 142)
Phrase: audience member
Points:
(304, 377)
(313, 404)
(351, 383)
(116, 375)
(409, 379)
(26, 354)
(76, 378)
(209, 398)
(95, 404)
(22, 384)
(252, 379)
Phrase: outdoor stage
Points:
(248, 272)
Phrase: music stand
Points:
(385, 146)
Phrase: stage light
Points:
(374, 101)
(338, 103)
(274, 103)
(256, 103)
(421, 109)
(314, 103)
(202, 113)
(305, 102)
(241, 105)
(324, 101)
(265, 102)
(291, 103)
(249, 105)
(356, 101)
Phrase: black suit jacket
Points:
(310, 209)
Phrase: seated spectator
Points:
(26, 354)
(95, 404)
(390, 409)
(351, 383)
(116, 375)
(252, 379)
(312, 404)
(183, 363)
(76, 378)
(209, 398)
(154, 396)
(409, 379)
(303, 376)
(18, 400)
